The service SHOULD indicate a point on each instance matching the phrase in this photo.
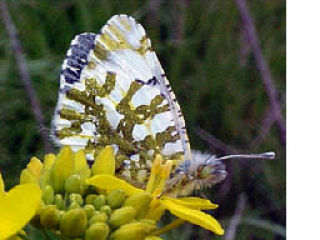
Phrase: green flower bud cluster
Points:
(95, 216)
(73, 210)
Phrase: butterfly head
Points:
(203, 170)
(208, 168)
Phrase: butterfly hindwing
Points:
(113, 91)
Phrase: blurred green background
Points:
(210, 65)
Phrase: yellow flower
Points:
(186, 208)
(17, 207)
(110, 208)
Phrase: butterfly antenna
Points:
(265, 156)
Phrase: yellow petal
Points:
(193, 216)
(62, 168)
(17, 208)
(35, 166)
(156, 170)
(2, 189)
(80, 160)
(193, 202)
(165, 170)
(105, 162)
(108, 182)
(153, 238)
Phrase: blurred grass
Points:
(200, 46)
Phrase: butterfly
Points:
(113, 91)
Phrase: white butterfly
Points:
(113, 91)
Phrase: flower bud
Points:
(90, 199)
(35, 166)
(104, 162)
(135, 230)
(73, 184)
(84, 174)
(62, 168)
(45, 175)
(97, 231)
(74, 197)
(49, 160)
(98, 217)
(148, 221)
(50, 216)
(59, 202)
(89, 209)
(99, 201)
(48, 195)
(115, 198)
(106, 209)
(74, 205)
(140, 202)
(41, 205)
(26, 176)
(156, 210)
(73, 223)
(81, 168)
(80, 161)
(45, 178)
(122, 216)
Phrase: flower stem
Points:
(23, 236)
(46, 235)
(168, 227)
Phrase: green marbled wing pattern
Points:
(113, 91)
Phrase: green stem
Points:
(168, 227)
(23, 236)
(46, 235)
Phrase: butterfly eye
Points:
(205, 172)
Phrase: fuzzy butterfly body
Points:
(113, 91)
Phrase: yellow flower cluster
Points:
(92, 203)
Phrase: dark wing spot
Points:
(77, 59)
(153, 81)
(140, 81)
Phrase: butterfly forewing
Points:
(113, 91)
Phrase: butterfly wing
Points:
(66, 126)
(120, 96)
